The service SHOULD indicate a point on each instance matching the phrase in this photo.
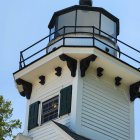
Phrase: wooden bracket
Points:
(84, 63)
(42, 79)
(58, 71)
(118, 81)
(134, 91)
(71, 63)
(100, 72)
(24, 87)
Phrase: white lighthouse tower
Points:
(80, 84)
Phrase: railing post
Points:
(50, 36)
(22, 58)
(20, 65)
(75, 29)
(64, 29)
(93, 35)
(63, 36)
(116, 39)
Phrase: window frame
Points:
(49, 112)
(47, 109)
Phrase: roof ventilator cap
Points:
(85, 2)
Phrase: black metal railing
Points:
(33, 53)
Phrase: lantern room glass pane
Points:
(52, 32)
(88, 18)
(67, 19)
(108, 26)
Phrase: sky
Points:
(23, 22)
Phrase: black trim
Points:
(87, 8)
(134, 91)
(71, 63)
(71, 133)
(84, 63)
(27, 88)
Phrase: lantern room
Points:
(81, 15)
(85, 20)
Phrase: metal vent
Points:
(85, 2)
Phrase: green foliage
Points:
(6, 124)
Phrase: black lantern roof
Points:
(86, 8)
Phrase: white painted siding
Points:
(105, 112)
(22, 137)
(52, 86)
(47, 132)
(100, 111)
(43, 93)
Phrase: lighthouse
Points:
(79, 82)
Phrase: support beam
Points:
(71, 63)
(24, 87)
(134, 91)
(84, 63)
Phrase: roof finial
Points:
(85, 2)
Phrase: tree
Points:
(7, 125)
